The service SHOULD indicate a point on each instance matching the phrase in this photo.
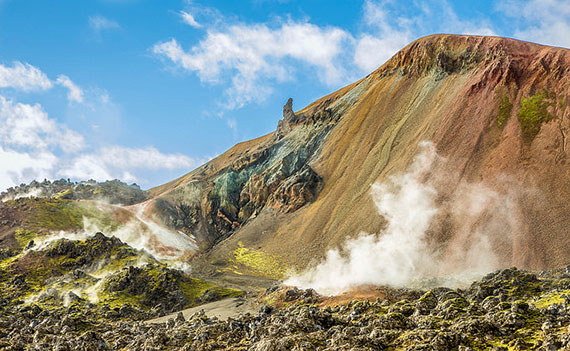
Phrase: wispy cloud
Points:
(121, 162)
(25, 77)
(75, 93)
(100, 23)
(251, 59)
(34, 145)
(390, 25)
(24, 166)
(545, 22)
(188, 18)
(28, 126)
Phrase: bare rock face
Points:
(276, 176)
(296, 191)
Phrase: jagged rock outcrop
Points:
(275, 175)
(296, 191)
(288, 114)
(285, 125)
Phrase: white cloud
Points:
(75, 94)
(251, 59)
(28, 126)
(91, 167)
(371, 51)
(232, 124)
(257, 55)
(23, 76)
(189, 19)
(120, 162)
(377, 15)
(386, 35)
(99, 23)
(149, 158)
(35, 146)
(545, 22)
(392, 25)
(115, 162)
(24, 166)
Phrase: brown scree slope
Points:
(443, 88)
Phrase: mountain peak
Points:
(448, 53)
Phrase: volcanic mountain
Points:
(496, 112)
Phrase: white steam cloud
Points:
(33, 192)
(403, 254)
(140, 232)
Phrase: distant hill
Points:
(111, 191)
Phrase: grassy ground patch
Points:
(43, 215)
(550, 299)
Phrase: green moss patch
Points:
(505, 108)
(42, 215)
(55, 215)
(156, 285)
(23, 236)
(258, 263)
(552, 298)
(104, 271)
(197, 290)
(533, 112)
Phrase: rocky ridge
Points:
(111, 191)
(213, 202)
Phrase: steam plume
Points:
(140, 232)
(402, 253)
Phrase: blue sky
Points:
(145, 91)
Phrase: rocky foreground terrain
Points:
(60, 287)
(506, 310)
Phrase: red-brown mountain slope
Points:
(497, 110)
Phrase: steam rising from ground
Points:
(33, 192)
(414, 208)
(140, 233)
(151, 239)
